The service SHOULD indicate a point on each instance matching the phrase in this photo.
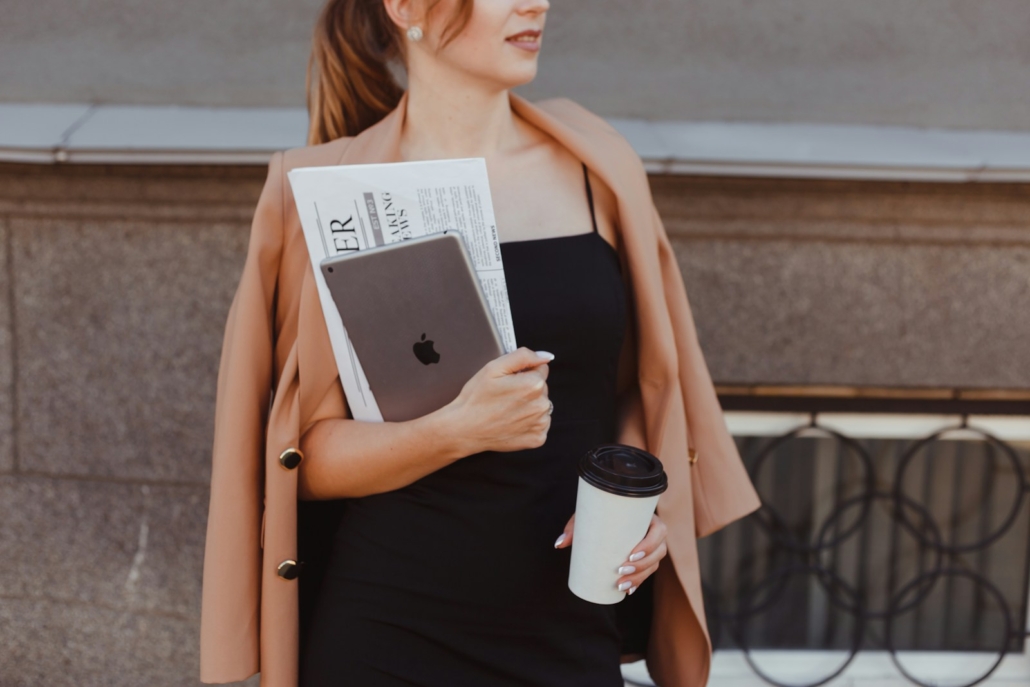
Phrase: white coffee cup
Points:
(618, 492)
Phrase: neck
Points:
(454, 121)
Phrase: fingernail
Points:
(559, 540)
(626, 569)
(546, 355)
(625, 585)
(632, 589)
(637, 556)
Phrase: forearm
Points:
(350, 458)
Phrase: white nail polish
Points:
(632, 589)
(559, 540)
(637, 556)
(626, 569)
(625, 585)
(545, 354)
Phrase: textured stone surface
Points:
(830, 210)
(844, 283)
(104, 588)
(126, 547)
(120, 328)
(780, 312)
(965, 314)
(6, 359)
(62, 644)
(913, 62)
(194, 193)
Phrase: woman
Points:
(439, 573)
(440, 569)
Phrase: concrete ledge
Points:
(828, 151)
(147, 135)
(80, 133)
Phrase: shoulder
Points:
(618, 159)
(315, 155)
(282, 161)
(276, 210)
(586, 122)
(575, 114)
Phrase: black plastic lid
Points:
(623, 470)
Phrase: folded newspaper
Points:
(348, 208)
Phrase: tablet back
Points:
(417, 319)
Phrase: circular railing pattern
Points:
(803, 557)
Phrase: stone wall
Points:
(856, 283)
(901, 62)
(115, 283)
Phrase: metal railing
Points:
(914, 545)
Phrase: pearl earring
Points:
(414, 33)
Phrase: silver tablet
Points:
(417, 318)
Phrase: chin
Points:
(517, 77)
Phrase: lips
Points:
(527, 36)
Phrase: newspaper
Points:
(349, 208)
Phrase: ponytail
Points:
(349, 84)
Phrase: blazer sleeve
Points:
(230, 598)
(722, 489)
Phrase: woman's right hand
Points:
(504, 406)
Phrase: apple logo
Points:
(424, 351)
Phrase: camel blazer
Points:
(278, 376)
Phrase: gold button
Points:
(290, 458)
(289, 569)
(692, 455)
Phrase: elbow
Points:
(307, 488)
(318, 474)
(304, 491)
(321, 489)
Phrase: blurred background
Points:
(846, 184)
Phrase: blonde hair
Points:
(349, 83)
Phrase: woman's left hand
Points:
(643, 559)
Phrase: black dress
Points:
(454, 579)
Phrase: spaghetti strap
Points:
(590, 196)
